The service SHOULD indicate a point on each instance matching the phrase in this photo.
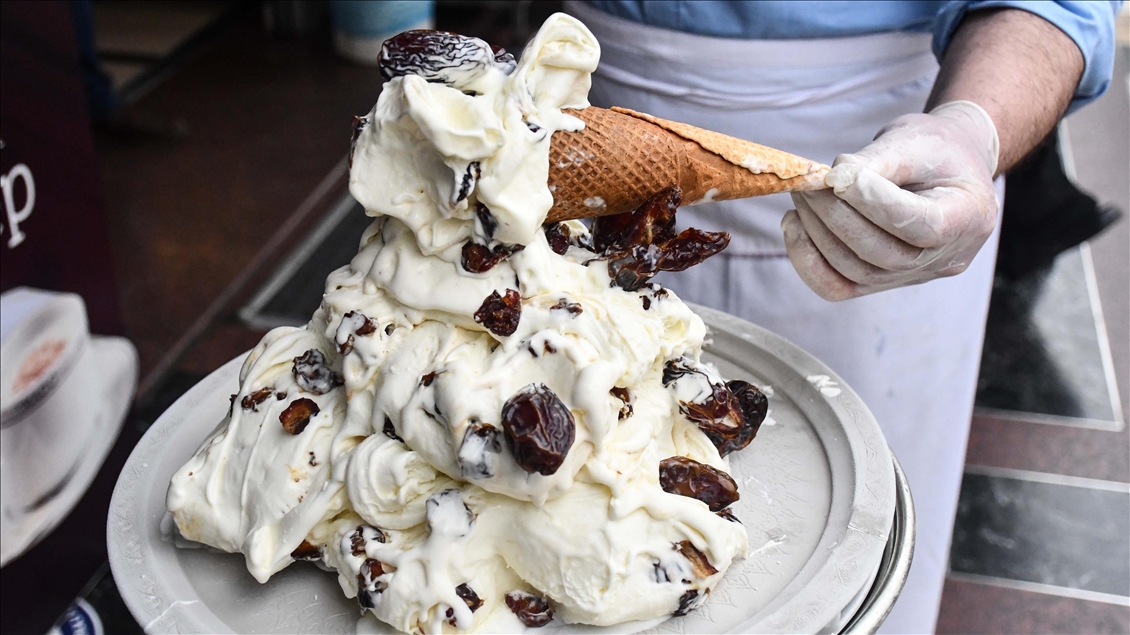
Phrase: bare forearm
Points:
(1017, 66)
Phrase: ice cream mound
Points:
(488, 421)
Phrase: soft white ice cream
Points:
(385, 454)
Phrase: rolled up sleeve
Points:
(1090, 24)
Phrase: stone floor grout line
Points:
(1100, 331)
(1016, 416)
(1048, 478)
(295, 260)
(1036, 587)
(1067, 152)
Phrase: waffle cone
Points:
(622, 158)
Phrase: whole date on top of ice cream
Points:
(441, 56)
(539, 429)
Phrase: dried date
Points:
(468, 595)
(500, 314)
(632, 267)
(368, 585)
(728, 514)
(306, 551)
(441, 57)
(539, 429)
(687, 477)
(353, 324)
(372, 568)
(753, 406)
(691, 247)
(390, 430)
(534, 611)
(313, 374)
(640, 244)
(574, 308)
(251, 402)
(467, 182)
(357, 542)
(487, 222)
(699, 562)
(478, 258)
(361, 536)
(718, 416)
(730, 416)
(557, 235)
(480, 453)
(561, 238)
(675, 369)
(625, 396)
(652, 223)
(298, 414)
(688, 602)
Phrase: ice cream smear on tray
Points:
(488, 422)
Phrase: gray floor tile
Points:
(1043, 353)
(1059, 535)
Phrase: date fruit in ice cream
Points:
(489, 422)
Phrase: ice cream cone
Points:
(622, 158)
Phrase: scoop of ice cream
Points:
(389, 484)
(263, 478)
(478, 425)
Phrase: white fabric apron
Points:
(911, 353)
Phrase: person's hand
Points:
(914, 205)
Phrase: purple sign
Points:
(54, 232)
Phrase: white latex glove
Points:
(914, 205)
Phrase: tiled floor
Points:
(201, 226)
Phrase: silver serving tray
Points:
(818, 499)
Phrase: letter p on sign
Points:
(15, 217)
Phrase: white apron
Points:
(911, 353)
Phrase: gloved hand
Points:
(914, 205)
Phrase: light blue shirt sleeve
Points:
(1090, 24)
